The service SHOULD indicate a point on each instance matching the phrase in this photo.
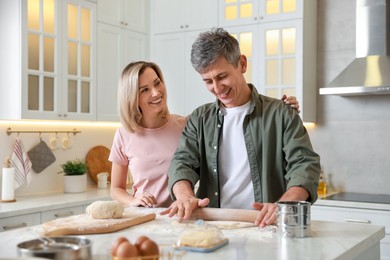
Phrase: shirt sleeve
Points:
(117, 154)
(303, 164)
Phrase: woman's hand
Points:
(292, 102)
(146, 200)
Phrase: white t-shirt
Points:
(236, 185)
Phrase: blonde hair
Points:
(130, 113)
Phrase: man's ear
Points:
(243, 63)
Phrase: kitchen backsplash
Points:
(49, 180)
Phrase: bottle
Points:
(321, 185)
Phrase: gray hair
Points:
(211, 45)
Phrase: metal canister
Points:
(294, 218)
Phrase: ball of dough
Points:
(105, 209)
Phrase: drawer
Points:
(20, 221)
(385, 248)
(61, 213)
(375, 217)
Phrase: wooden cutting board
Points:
(84, 224)
(97, 162)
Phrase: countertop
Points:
(324, 201)
(51, 201)
(329, 240)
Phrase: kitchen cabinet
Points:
(356, 215)
(176, 15)
(61, 213)
(236, 12)
(48, 60)
(20, 221)
(117, 47)
(185, 87)
(280, 47)
(127, 14)
(175, 25)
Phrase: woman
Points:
(148, 137)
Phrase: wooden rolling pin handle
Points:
(242, 215)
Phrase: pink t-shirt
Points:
(148, 153)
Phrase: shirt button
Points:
(215, 170)
(216, 194)
(215, 147)
(219, 125)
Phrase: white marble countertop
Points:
(51, 201)
(329, 240)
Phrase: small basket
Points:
(165, 254)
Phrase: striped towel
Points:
(22, 164)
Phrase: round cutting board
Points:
(97, 162)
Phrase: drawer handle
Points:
(357, 220)
(71, 213)
(15, 226)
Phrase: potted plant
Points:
(75, 178)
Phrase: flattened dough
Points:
(218, 224)
(105, 210)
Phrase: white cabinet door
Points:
(185, 87)
(168, 52)
(61, 213)
(78, 81)
(20, 221)
(177, 15)
(128, 14)
(116, 48)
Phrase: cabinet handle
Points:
(186, 26)
(365, 221)
(15, 226)
(71, 213)
(65, 115)
(181, 26)
(126, 24)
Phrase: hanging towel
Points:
(22, 164)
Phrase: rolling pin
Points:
(243, 215)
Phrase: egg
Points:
(148, 248)
(140, 240)
(126, 249)
(116, 243)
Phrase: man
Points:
(247, 150)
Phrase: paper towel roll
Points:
(8, 184)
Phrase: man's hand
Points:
(268, 214)
(183, 208)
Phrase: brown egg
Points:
(116, 243)
(126, 249)
(140, 240)
(148, 248)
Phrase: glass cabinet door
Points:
(79, 48)
(58, 70)
(281, 59)
(244, 12)
(42, 66)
